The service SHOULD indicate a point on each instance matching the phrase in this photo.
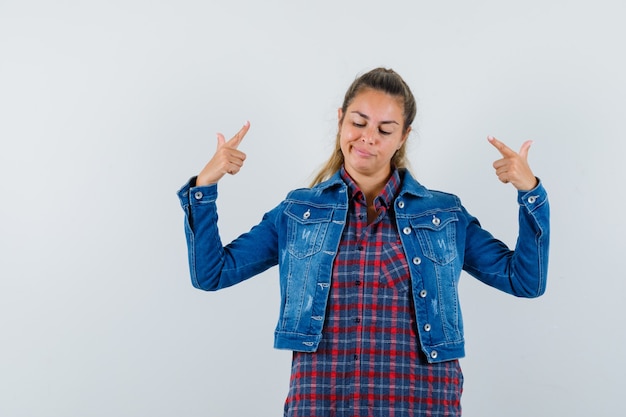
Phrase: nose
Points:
(367, 136)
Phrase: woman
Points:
(369, 262)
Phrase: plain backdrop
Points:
(108, 107)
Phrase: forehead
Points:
(372, 102)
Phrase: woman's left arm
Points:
(523, 271)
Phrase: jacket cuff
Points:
(534, 198)
(189, 194)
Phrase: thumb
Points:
(523, 152)
(221, 140)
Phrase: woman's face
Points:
(370, 132)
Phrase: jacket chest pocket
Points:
(437, 236)
(306, 228)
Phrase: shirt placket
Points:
(355, 300)
(367, 255)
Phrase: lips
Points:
(361, 152)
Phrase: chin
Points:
(362, 169)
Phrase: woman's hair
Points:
(379, 79)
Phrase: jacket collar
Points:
(409, 184)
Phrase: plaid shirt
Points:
(369, 362)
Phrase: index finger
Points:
(501, 147)
(236, 140)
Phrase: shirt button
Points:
(427, 327)
(417, 260)
(406, 230)
(423, 293)
(400, 204)
(357, 283)
(198, 195)
(356, 357)
(532, 199)
(357, 320)
(436, 221)
(433, 354)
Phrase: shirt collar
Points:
(386, 196)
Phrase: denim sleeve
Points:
(213, 266)
(522, 271)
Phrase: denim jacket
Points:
(440, 239)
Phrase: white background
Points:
(108, 107)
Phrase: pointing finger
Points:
(236, 140)
(501, 147)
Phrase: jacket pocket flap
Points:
(306, 213)
(436, 222)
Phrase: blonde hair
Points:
(389, 82)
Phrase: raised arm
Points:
(522, 271)
(213, 266)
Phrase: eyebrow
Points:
(366, 117)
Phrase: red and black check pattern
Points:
(369, 362)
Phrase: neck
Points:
(371, 186)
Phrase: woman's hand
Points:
(226, 160)
(513, 167)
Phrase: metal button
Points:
(423, 293)
(406, 230)
(433, 354)
(417, 260)
(401, 204)
(532, 199)
(306, 214)
(198, 195)
(436, 221)
(427, 327)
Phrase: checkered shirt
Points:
(369, 362)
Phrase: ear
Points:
(339, 116)
(406, 136)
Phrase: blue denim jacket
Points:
(440, 238)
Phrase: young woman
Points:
(369, 262)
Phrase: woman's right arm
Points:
(213, 266)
